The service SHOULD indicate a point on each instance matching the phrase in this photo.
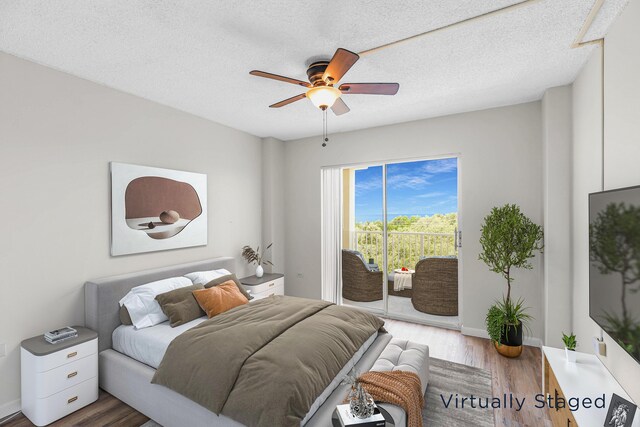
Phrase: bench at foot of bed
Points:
(396, 355)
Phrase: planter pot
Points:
(259, 271)
(511, 341)
(571, 355)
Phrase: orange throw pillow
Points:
(219, 299)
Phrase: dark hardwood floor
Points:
(521, 376)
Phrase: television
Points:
(614, 265)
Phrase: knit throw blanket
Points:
(400, 388)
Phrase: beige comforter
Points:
(265, 363)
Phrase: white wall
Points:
(622, 100)
(501, 162)
(587, 178)
(273, 226)
(556, 141)
(58, 134)
(621, 151)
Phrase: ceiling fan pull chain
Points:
(325, 138)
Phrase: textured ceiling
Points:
(196, 55)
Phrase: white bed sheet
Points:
(148, 345)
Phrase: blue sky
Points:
(416, 188)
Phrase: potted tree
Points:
(509, 239)
(570, 344)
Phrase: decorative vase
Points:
(511, 341)
(361, 403)
(259, 271)
(571, 355)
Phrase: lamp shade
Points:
(323, 96)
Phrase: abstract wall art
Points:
(155, 209)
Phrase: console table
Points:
(588, 377)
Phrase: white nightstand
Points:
(58, 379)
(265, 286)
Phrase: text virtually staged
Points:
(517, 403)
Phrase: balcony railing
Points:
(405, 249)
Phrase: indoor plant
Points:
(570, 344)
(509, 239)
(255, 256)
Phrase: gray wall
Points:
(273, 227)
(58, 134)
(556, 141)
(621, 150)
(501, 162)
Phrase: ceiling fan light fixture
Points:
(323, 97)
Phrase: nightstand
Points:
(58, 379)
(265, 286)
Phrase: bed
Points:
(127, 373)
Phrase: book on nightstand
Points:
(58, 335)
(346, 419)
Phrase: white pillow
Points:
(204, 277)
(141, 302)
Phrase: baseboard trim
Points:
(481, 333)
(10, 408)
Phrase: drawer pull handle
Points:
(70, 355)
(73, 399)
(72, 374)
(271, 284)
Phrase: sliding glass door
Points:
(399, 239)
(363, 243)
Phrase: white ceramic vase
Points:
(571, 355)
(259, 271)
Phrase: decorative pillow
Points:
(202, 277)
(125, 318)
(218, 299)
(141, 302)
(180, 306)
(222, 279)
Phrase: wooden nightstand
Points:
(265, 286)
(58, 379)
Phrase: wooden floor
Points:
(521, 376)
(106, 411)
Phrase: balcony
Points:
(405, 249)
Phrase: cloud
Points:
(440, 166)
(369, 184)
(411, 176)
(413, 180)
(431, 195)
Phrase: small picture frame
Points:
(621, 412)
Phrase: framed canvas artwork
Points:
(154, 209)
(621, 412)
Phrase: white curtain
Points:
(331, 232)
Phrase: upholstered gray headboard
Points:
(101, 296)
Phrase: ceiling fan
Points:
(323, 75)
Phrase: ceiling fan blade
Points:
(340, 63)
(280, 78)
(288, 101)
(339, 107)
(370, 88)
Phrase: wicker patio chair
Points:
(435, 286)
(359, 282)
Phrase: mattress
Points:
(148, 345)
